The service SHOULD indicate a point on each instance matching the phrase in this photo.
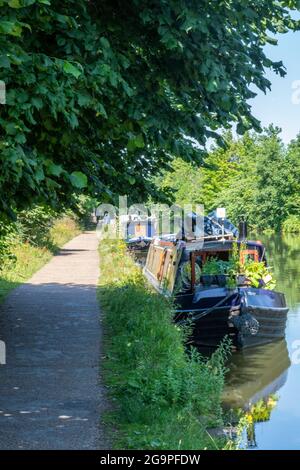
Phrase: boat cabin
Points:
(210, 293)
(169, 261)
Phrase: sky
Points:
(281, 105)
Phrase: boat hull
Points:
(249, 317)
(138, 248)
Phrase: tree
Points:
(219, 170)
(255, 176)
(272, 180)
(183, 184)
(101, 95)
(293, 159)
(261, 186)
(265, 185)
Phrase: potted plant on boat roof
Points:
(258, 274)
(233, 268)
(209, 270)
(223, 267)
(214, 271)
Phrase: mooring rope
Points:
(206, 312)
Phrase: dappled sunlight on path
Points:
(50, 396)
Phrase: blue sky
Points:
(277, 106)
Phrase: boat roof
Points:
(221, 245)
(208, 244)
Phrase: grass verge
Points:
(29, 258)
(164, 398)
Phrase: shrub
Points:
(7, 238)
(291, 224)
(34, 224)
(20, 259)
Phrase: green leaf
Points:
(135, 142)
(131, 180)
(54, 169)
(139, 141)
(11, 128)
(20, 138)
(4, 61)
(73, 120)
(101, 110)
(71, 69)
(212, 86)
(10, 27)
(15, 4)
(20, 3)
(104, 42)
(78, 179)
(83, 99)
(37, 102)
(39, 174)
(272, 41)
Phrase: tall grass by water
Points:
(162, 397)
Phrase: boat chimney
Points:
(221, 216)
(243, 229)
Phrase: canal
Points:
(265, 381)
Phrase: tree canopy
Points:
(101, 95)
(255, 176)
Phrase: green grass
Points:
(162, 398)
(29, 258)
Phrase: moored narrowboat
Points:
(139, 235)
(212, 294)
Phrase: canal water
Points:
(265, 381)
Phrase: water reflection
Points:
(283, 253)
(262, 381)
(255, 374)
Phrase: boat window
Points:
(185, 276)
(246, 255)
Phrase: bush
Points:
(40, 227)
(33, 225)
(7, 238)
(291, 224)
(20, 258)
(85, 205)
(165, 398)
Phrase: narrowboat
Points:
(139, 235)
(213, 298)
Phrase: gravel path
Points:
(50, 395)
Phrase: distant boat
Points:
(250, 316)
(139, 235)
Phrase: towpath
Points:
(51, 396)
